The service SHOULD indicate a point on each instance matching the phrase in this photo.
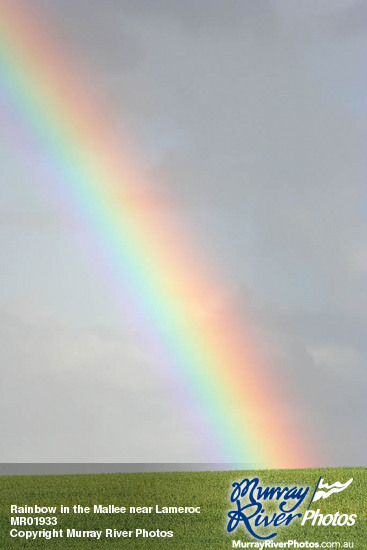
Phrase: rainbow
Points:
(237, 398)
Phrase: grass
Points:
(209, 490)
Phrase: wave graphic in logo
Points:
(336, 487)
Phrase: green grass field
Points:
(209, 490)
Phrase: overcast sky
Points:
(250, 117)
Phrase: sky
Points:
(249, 119)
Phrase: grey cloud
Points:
(351, 21)
(31, 219)
(243, 115)
(323, 355)
(83, 396)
